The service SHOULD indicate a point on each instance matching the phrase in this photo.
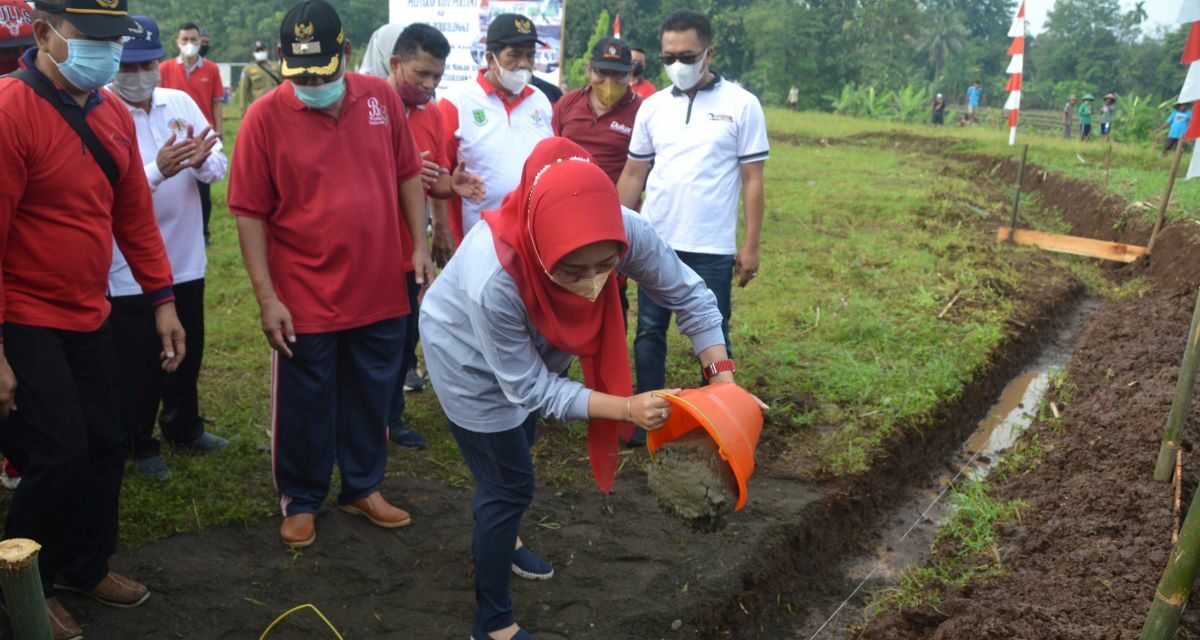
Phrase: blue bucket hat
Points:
(146, 49)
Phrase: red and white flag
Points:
(1015, 68)
(617, 27)
(1189, 13)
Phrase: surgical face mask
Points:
(321, 96)
(588, 288)
(260, 56)
(90, 64)
(609, 93)
(136, 86)
(513, 81)
(189, 50)
(638, 69)
(686, 76)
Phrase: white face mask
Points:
(588, 288)
(260, 56)
(686, 76)
(136, 86)
(513, 81)
(189, 50)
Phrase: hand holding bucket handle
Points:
(651, 410)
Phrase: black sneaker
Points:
(413, 380)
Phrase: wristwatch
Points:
(711, 370)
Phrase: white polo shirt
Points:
(493, 137)
(176, 199)
(698, 146)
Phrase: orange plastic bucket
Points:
(729, 414)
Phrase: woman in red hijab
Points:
(528, 291)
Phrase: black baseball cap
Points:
(97, 18)
(611, 54)
(512, 28)
(312, 40)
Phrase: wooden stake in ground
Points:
(1012, 223)
(1182, 402)
(1108, 162)
(1176, 583)
(22, 586)
(1166, 199)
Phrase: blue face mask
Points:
(321, 96)
(90, 64)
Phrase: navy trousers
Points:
(331, 396)
(411, 338)
(650, 342)
(504, 482)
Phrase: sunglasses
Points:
(669, 59)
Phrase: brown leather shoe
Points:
(298, 530)
(378, 511)
(115, 590)
(62, 625)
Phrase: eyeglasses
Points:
(669, 59)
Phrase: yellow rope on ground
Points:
(294, 610)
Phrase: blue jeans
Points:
(504, 483)
(650, 344)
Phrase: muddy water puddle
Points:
(911, 527)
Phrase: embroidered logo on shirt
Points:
(480, 117)
(617, 126)
(720, 117)
(537, 119)
(178, 126)
(376, 113)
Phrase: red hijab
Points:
(565, 202)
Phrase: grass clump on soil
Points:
(864, 248)
(964, 549)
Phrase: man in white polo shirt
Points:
(493, 123)
(179, 149)
(707, 138)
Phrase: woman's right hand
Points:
(650, 410)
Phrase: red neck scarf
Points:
(566, 202)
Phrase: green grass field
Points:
(863, 247)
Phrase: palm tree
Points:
(943, 37)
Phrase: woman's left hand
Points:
(650, 410)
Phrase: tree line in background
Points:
(1087, 46)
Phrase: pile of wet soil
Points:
(1085, 560)
(692, 482)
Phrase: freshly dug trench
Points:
(692, 482)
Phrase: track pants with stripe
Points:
(331, 398)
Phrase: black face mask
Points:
(638, 69)
(203, 50)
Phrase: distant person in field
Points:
(1085, 118)
(326, 186)
(1107, 111)
(259, 77)
(707, 140)
(1176, 125)
(1069, 119)
(640, 84)
(793, 98)
(939, 110)
(974, 97)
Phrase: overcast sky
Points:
(1159, 12)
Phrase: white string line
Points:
(879, 564)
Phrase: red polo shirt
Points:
(606, 137)
(328, 190)
(644, 88)
(203, 84)
(426, 124)
(59, 213)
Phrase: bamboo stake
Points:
(1166, 199)
(1108, 162)
(1012, 223)
(22, 586)
(1178, 492)
(1182, 402)
(1176, 583)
